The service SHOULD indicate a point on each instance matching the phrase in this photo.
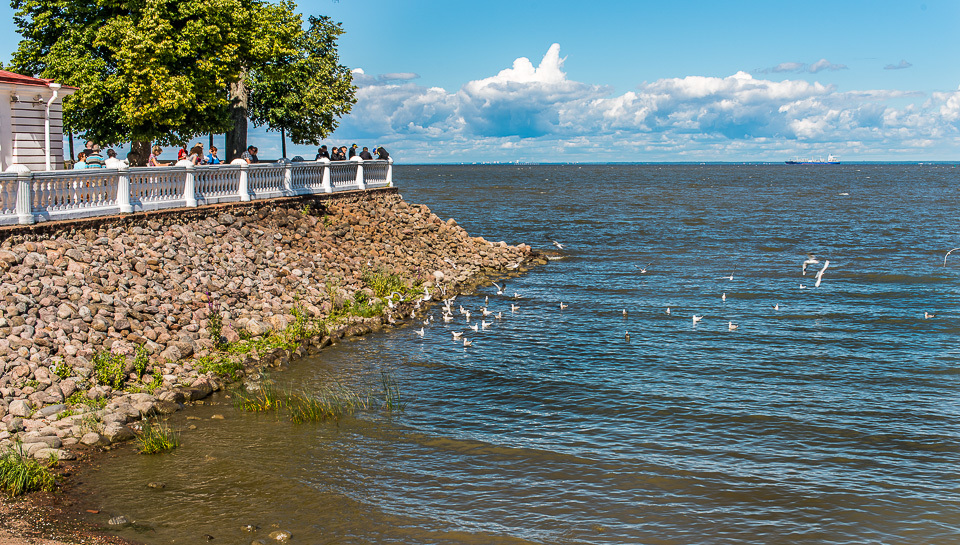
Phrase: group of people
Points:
(91, 157)
(343, 154)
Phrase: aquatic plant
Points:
(156, 437)
(392, 401)
(331, 402)
(20, 474)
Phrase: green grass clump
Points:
(332, 402)
(383, 284)
(392, 400)
(156, 437)
(20, 474)
(108, 369)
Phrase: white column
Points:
(123, 189)
(325, 184)
(244, 183)
(24, 194)
(287, 178)
(190, 187)
(359, 161)
(389, 171)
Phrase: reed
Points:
(20, 474)
(392, 400)
(156, 437)
(332, 402)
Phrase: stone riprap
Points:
(147, 283)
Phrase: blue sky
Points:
(644, 81)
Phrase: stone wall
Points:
(69, 290)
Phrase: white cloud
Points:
(528, 109)
(900, 66)
(801, 67)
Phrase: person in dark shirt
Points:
(352, 152)
(337, 155)
(250, 156)
(365, 154)
(322, 153)
(382, 153)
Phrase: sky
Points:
(559, 81)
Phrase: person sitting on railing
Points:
(94, 159)
(381, 153)
(196, 154)
(250, 156)
(153, 161)
(212, 158)
(81, 163)
(365, 154)
(322, 153)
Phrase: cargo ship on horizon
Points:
(831, 160)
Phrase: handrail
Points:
(28, 197)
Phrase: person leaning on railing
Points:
(153, 161)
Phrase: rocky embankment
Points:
(140, 290)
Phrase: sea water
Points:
(829, 415)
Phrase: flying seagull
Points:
(557, 244)
(820, 273)
(811, 260)
(643, 270)
(948, 253)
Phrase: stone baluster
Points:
(123, 189)
(389, 171)
(287, 178)
(24, 194)
(359, 161)
(190, 187)
(244, 190)
(325, 184)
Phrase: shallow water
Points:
(830, 420)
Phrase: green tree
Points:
(159, 71)
(304, 94)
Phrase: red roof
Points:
(10, 77)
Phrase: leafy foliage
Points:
(20, 474)
(156, 437)
(108, 369)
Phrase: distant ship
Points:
(831, 160)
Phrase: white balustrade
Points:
(27, 197)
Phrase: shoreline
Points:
(320, 249)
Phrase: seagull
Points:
(516, 295)
(467, 314)
(562, 306)
(776, 307)
(948, 253)
(486, 300)
(486, 312)
(723, 297)
(475, 327)
(447, 318)
(514, 308)
(696, 319)
(462, 310)
(728, 277)
(499, 288)
(928, 315)
(427, 321)
(731, 326)
(419, 332)
(457, 335)
(668, 310)
(499, 316)
(802, 287)
(626, 336)
(811, 260)
(643, 270)
(467, 343)
(557, 244)
(624, 313)
(485, 324)
(820, 273)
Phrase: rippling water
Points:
(830, 420)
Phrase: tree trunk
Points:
(139, 153)
(283, 142)
(236, 142)
(72, 156)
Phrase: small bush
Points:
(108, 369)
(156, 437)
(215, 325)
(20, 474)
(63, 370)
(140, 361)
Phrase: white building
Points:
(31, 122)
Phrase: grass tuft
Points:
(157, 437)
(20, 474)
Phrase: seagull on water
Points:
(514, 308)
(419, 332)
(486, 312)
(485, 324)
(499, 316)
(557, 244)
(499, 288)
(732, 326)
(475, 327)
(626, 336)
(467, 315)
(562, 306)
(928, 315)
(696, 319)
(728, 277)
(811, 260)
(467, 343)
(457, 335)
(624, 313)
(447, 318)
(820, 273)
(723, 297)
(668, 310)
(776, 307)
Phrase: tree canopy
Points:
(163, 71)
